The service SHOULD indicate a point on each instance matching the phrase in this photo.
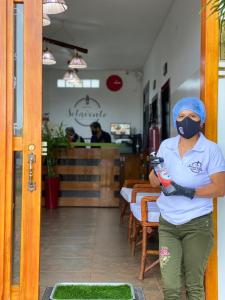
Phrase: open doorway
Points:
(82, 240)
(54, 232)
(165, 111)
(154, 110)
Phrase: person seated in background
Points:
(72, 136)
(98, 135)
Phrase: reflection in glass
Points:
(17, 205)
(18, 70)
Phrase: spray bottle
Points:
(161, 171)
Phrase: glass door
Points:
(20, 147)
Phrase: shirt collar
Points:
(198, 147)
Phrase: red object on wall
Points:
(114, 83)
(154, 138)
(51, 192)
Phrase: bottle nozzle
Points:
(155, 160)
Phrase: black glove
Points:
(179, 191)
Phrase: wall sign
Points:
(86, 110)
(114, 83)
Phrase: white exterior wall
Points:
(178, 44)
(221, 201)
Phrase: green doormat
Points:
(92, 291)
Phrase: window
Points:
(84, 83)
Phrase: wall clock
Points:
(114, 83)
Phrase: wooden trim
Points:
(15, 292)
(30, 224)
(209, 94)
(85, 170)
(83, 185)
(3, 95)
(144, 209)
(79, 185)
(129, 183)
(81, 153)
(81, 170)
(9, 149)
(17, 144)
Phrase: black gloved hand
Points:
(179, 191)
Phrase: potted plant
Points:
(55, 138)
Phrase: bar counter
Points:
(89, 177)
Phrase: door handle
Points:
(31, 183)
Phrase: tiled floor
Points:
(89, 244)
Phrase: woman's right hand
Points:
(154, 181)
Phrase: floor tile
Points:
(90, 244)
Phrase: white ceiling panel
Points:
(118, 33)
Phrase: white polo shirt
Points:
(193, 171)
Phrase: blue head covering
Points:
(193, 104)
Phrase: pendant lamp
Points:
(46, 20)
(52, 7)
(72, 77)
(48, 58)
(77, 62)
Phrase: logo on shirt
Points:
(195, 167)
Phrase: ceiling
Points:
(118, 33)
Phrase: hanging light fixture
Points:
(54, 6)
(48, 58)
(72, 77)
(77, 62)
(46, 20)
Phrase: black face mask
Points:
(188, 128)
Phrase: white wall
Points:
(191, 87)
(123, 106)
(221, 201)
(178, 44)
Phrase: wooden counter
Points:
(89, 177)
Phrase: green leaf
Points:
(55, 138)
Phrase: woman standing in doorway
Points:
(197, 168)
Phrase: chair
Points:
(146, 216)
(139, 191)
(126, 192)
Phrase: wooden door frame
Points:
(30, 226)
(209, 94)
(209, 87)
(3, 93)
(6, 145)
(32, 113)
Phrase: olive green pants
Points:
(184, 251)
